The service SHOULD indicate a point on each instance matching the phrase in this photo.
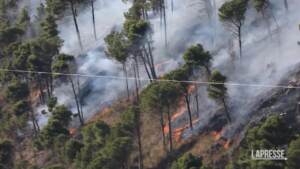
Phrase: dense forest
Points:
(148, 84)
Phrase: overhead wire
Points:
(147, 79)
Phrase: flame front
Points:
(180, 111)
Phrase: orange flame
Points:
(72, 131)
(180, 111)
(227, 144)
(216, 135)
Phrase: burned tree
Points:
(232, 13)
(218, 91)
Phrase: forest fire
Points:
(182, 104)
(216, 135)
(220, 140)
(72, 131)
(182, 108)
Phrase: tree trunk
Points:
(207, 71)
(197, 103)
(94, 21)
(172, 5)
(162, 128)
(35, 124)
(126, 80)
(170, 128)
(79, 99)
(240, 40)
(42, 98)
(76, 24)
(48, 87)
(136, 79)
(165, 22)
(187, 101)
(138, 131)
(146, 68)
(286, 5)
(76, 100)
(152, 65)
(226, 111)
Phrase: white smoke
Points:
(266, 59)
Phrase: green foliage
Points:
(56, 166)
(273, 133)
(196, 56)
(233, 11)
(117, 46)
(72, 149)
(95, 133)
(23, 20)
(261, 5)
(56, 7)
(56, 126)
(217, 89)
(52, 102)
(9, 35)
(187, 161)
(107, 148)
(62, 114)
(20, 56)
(94, 138)
(49, 32)
(21, 107)
(16, 90)
(293, 154)
(159, 96)
(63, 63)
(136, 31)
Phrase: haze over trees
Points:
(139, 130)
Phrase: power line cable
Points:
(146, 79)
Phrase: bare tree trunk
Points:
(94, 21)
(146, 68)
(42, 98)
(172, 5)
(197, 103)
(126, 79)
(79, 99)
(226, 111)
(240, 40)
(187, 101)
(170, 128)
(76, 100)
(76, 24)
(48, 87)
(162, 128)
(35, 124)
(207, 70)
(136, 78)
(152, 65)
(138, 131)
(165, 23)
(286, 5)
